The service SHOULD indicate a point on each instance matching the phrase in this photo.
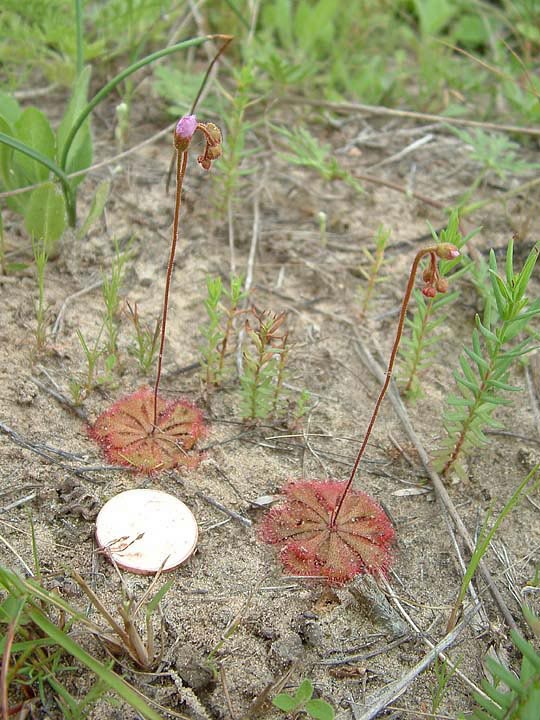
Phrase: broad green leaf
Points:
(304, 692)
(46, 215)
(285, 702)
(33, 129)
(434, 15)
(320, 710)
(9, 108)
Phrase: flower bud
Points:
(213, 133)
(442, 285)
(429, 291)
(447, 251)
(184, 131)
(427, 275)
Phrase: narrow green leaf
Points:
(76, 105)
(486, 332)
(158, 597)
(525, 274)
(478, 359)
(510, 262)
(113, 681)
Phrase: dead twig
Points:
(393, 112)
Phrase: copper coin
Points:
(144, 531)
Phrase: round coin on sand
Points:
(144, 531)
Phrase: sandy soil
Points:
(230, 609)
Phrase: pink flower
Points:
(184, 131)
(447, 251)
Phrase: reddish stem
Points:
(181, 163)
(410, 285)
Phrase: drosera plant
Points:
(324, 528)
(482, 379)
(142, 430)
(303, 702)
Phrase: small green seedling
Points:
(262, 380)
(146, 344)
(303, 702)
(41, 258)
(110, 291)
(376, 262)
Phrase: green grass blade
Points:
(113, 681)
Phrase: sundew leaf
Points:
(127, 433)
(311, 545)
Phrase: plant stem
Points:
(181, 163)
(407, 296)
(79, 35)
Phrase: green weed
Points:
(417, 348)
(303, 702)
(146, 345)
(39, 655)
(263, 371)
(484, 369)
(376, 261)
(222, 307)
(41, 258)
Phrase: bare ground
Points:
(280, 623)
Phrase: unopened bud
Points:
(427, 275)
(184, 131)
(429, 291)
(213, 133)
(447, 251)
(442, 285)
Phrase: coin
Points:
(144, 531)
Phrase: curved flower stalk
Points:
(325, 528)
(142, 430)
